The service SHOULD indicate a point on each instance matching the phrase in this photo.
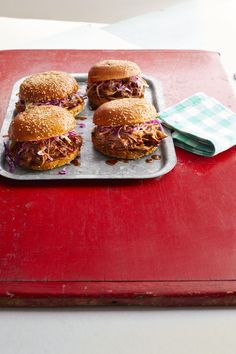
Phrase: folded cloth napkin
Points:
(201, 125)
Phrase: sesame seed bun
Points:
(112, 69)
(125, 111)
(47, 86)
(77, 109)
(41, 122)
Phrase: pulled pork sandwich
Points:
(127, 128)
(54, 88)
(113, 79)
(43, 138)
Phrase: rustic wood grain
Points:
(163, 242)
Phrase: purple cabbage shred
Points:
(62, 172)
(9, 158)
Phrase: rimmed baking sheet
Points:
(92, 164)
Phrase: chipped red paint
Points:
(163, 242)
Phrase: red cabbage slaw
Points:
(129, 128)
(128, 87)
(68, 102)
(9, 158)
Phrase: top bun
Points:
(41, 122)
(47, 86)
(125, 111)
(112, 69)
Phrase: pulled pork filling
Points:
(37, 153)
(69, 102)
(138, 137)
(118, 88)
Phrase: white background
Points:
(191, 24)
(118, 331)
(106, 11)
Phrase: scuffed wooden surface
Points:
(125, 236)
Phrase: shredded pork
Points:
(120, 88)
(139, 137)
(69, 102)
(36, 153)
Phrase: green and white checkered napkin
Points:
(201, 125)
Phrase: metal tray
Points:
(93, 164)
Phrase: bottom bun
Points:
(49, 165)
(77, 109)
(95, 101)
(122, 154)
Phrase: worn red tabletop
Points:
(159, 241)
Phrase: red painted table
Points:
(168, 241)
